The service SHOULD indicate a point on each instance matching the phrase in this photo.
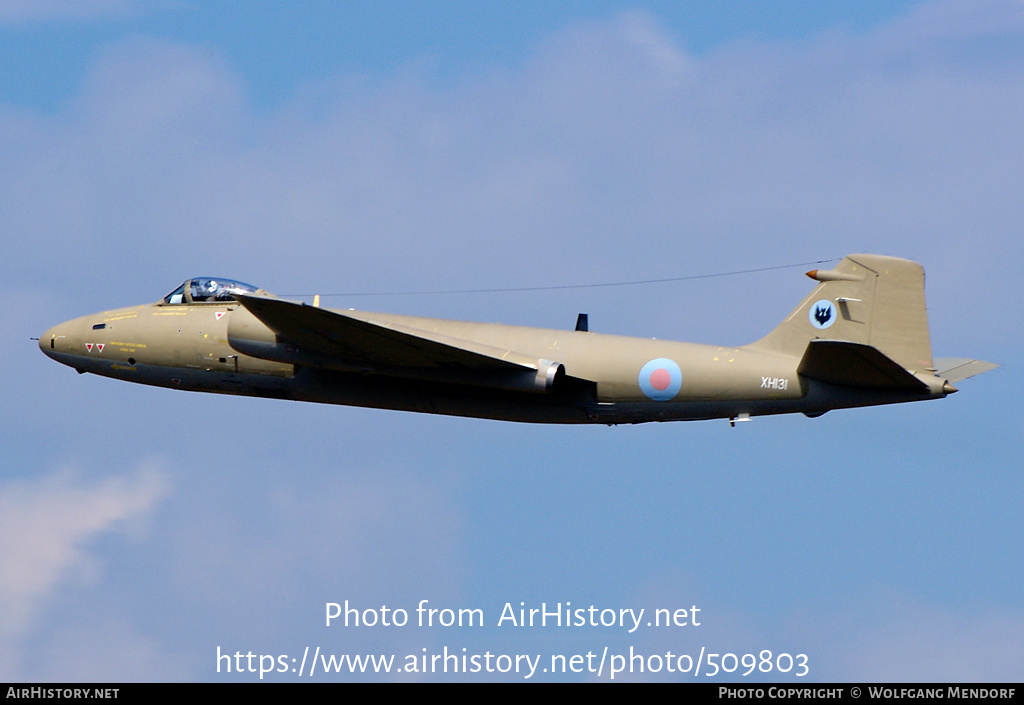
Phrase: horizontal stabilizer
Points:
(955, 369)
(855, 365)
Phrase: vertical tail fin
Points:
(869, 299)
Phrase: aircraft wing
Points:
(391, 347)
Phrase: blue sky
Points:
(278, 48)
(382, 147)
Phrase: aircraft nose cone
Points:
(47, 341)
(61, 340)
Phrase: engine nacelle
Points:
(549, 374)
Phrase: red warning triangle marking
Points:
(99, 346)
(88, 346)
(220, 313)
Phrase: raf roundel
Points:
(822, 314)
(660, 379)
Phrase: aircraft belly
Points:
(404, 395)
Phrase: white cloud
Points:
(141, 92)
(956, 19)
(46, 527)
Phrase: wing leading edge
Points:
(334, 340)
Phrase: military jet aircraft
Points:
(860, 338)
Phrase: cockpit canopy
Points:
(208, 290)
